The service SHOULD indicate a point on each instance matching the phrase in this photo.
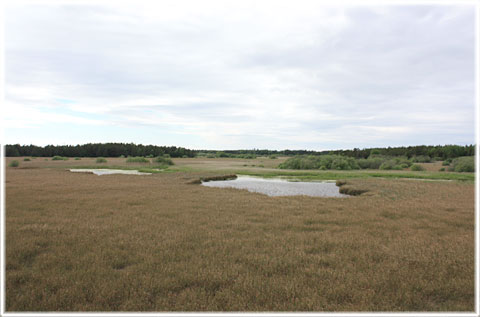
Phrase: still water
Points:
(279, 187)
(107, 171)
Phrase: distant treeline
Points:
(258, 152)
(437, 151)
(131, 149)
(97, 150)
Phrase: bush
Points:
(101, 160)
(442, 169)
(463, 164)
(26, 159)
(322, 162)
(373, 162)
(404, 165)
(447, 162)
(59, 158)
(14, 163)
(222, 154)
(416, 167)
(273, 157)
(137, 159)
(421, 159)
(403, 160)
(388, 165)
(210, 156)
(163, 160)
(77, 159)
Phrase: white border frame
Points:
(475, 3)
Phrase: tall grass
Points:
(158, 244)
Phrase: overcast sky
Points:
(239, 74)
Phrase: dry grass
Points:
(81, 242)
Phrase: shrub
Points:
(370, 163)
(447, 162)
(14, 163)
(404, 165)
(421, 159)
(101, 160)
(403, 160)
(463, 164)
(137, 159)
(150, 156)
(222, 154)
(77, 159)
(273, 157)
(210, 156)
(163, 160)
(59, 158)
(416, 167)
(442, 169)
(26, 159)
(337, 162)
(388, 165)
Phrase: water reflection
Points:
(279, 187)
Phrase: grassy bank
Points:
(332, 175)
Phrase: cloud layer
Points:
(240, 74)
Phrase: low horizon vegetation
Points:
(382, 162)
(437, 152)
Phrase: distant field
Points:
(81, 242)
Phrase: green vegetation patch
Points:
(59, 158)
(306, 162)
(163, 160)
(306, 175)
(416, 167)
(463, 164)
(101, 160)
(14, 163)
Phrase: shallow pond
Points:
(107, 171)
(279, 187)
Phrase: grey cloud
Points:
(368, 66)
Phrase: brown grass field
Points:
(81, 242)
